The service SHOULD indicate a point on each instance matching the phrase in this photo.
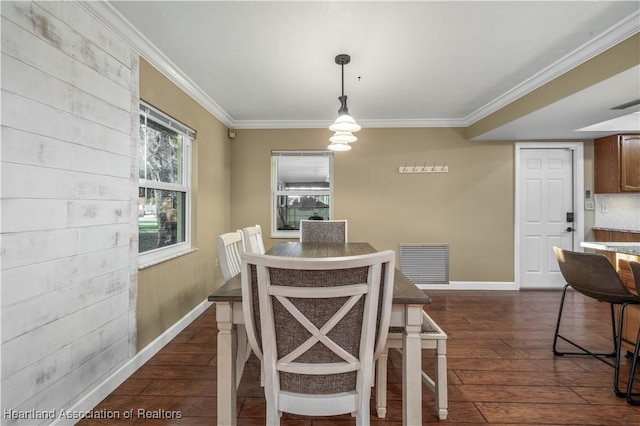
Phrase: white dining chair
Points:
(230, 248)
(323, 231)
(253, 242)
(322, 323)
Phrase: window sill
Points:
(155, 260)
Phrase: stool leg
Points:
(632, 374)
(583, 350)
(618, 341)
(555, 335)
(381, 381)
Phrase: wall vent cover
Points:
(627, 104)
(425, 263)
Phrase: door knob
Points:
(569, 229)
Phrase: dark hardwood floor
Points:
(501, 370)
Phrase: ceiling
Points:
(270, 64)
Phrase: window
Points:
(301, 189)
(163, 189)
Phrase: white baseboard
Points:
(470, 285)
(100, 392)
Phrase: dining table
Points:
(406, 312)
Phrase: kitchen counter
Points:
(617, 247)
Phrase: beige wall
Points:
(169, 290)
(470, 208)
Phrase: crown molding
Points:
(112, 19)
(321, 124)
(420, 122)
(614, 35)
(281, 124)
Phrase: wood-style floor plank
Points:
(501, 370)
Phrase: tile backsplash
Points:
(618, 211)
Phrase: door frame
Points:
(578, 194)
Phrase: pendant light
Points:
(344, 124)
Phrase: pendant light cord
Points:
(342, 69)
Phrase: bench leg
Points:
(441, 379)
(381, 384)
(438, 386)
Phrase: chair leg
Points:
(362, 415)
(272, 417)
(381, 384)
(242, 353)
(585, 351)
(362, 419)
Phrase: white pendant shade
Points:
(343, 137)
(339, 146)
(345, 123)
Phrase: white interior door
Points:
(546, 207)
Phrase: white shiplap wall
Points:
(69, 205)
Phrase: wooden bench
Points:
(432, 337)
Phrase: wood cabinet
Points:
(630, 163)
(617, 164)
(616, 236)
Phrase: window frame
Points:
(276, 192)
(162, 254)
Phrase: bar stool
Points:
(635, 271)
(594, 276)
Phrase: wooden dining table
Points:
(406, 312)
